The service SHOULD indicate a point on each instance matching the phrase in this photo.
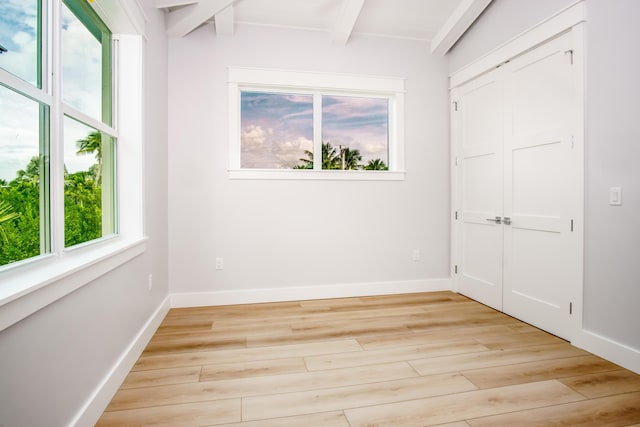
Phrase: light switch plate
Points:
(615, 196)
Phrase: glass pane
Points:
(81, 66)
(355, 133)
(23, 178)
(276, 131)
(19, 29)
(88, 214)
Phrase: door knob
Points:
(497, 220)
(507, 220)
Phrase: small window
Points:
(289, 125)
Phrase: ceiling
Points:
(438, 22)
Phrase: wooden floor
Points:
(402, 360)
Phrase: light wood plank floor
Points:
(402, 360)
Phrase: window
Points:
(63, 140)
(57, 140)
(295, 125)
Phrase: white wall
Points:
(53, 361)
(612, 247)
(288, 234)
(612, 233)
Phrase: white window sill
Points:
(31, 285)
(321, 175)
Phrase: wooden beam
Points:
(459, 22)
(165, 4)
(224, 22)
(182, 21)
(347, 20)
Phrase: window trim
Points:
(393, 88)
(29, 285)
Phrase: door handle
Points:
(497, 220)
(507, 220)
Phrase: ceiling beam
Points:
(459, 22)
(165, 4)
(224, 22)
(347, 20)
(182, 21)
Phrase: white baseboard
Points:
(609, 349)
(100, 398)
(252, 296)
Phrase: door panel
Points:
(539, 167)
(479, 172)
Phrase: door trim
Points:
(554, 25)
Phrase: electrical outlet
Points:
(415, 256)
(219, 263)
(150, 281)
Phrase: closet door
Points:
(478, 134)
(539, 180)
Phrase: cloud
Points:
(18, 26)
(253, 137)
(262, 148)
(19, 133)
(81, 66)
(289, 153)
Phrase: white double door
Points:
(516, 183)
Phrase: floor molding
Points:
(95, 405)
(609, 349)
(252, 296)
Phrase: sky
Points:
(277, 128)
(19, 135)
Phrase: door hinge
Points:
(570, 52)
(455, 105)
(572, 226)
(456, 214)
(573, 142)
(455, 269)
(570, 308)
(457, 161)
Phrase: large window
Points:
(291, 125)
(57, 140)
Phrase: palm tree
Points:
(350, 159)
(92, 144)
(330, 158)
(32, 172)
(376, 165)
(6, 214)
(306, 163)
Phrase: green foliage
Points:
(22, 232)
(376, 165)
(20, 216)
(340, 159)
(82, 208)
(6, 214)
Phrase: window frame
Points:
(318, 84)
(29, 285)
